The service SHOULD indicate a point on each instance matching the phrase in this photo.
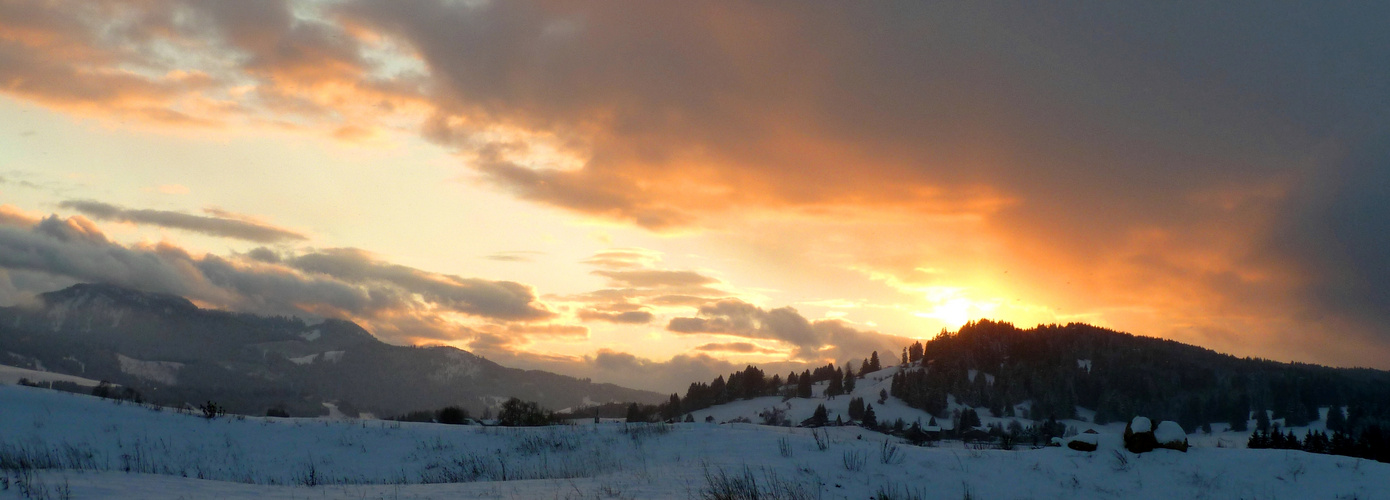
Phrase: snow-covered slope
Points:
(12, 375)
(869, 387)
(167, 452)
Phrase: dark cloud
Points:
(1338, 238)
(1067, 129)
(812, 340)
(628, 317)
(221, 225)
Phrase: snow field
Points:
(90, 443)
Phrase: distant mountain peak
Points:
(83, 294)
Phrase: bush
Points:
(211, 410)
(278, 411)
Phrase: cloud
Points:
(550, 330)
(515, 256)
(219, 225)
(624, 258)
(627, 317)
(824, 339)
(395, 301)
(504, 300)
(13, 216)
(638, 286)
(739, 347)
(194, 63)
(651, 278)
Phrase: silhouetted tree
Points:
(1262, 420)
(452, 415)
(1336, 419)
(516, 413)
(819, 417)
(635, 414)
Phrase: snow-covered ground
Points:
(172, 455)
(892, 409)
(12, 375)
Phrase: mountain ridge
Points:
(175, 352)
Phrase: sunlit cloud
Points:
(220, 224)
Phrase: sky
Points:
(652, 193)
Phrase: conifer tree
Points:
(820, 416)
(837, 384)
(803, 385)
(849, 380)
(870, 420)
(1336, 420)
(873, 364)
(672, 410)
(1240, 417)
(856, 409)
(1262, 420)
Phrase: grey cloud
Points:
(494, 299)
(264, 254)
(67, 248)
(212, 226)
(812, 340)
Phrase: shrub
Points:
(211, 410)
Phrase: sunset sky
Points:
(650, 193)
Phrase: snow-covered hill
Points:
(97, 448)
(890, 409)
